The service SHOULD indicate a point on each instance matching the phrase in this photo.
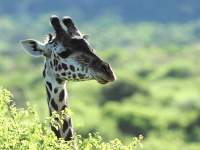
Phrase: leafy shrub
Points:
(176, 72)
(144, 73)
(122, 89)
(16, 132)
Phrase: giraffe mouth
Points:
(102, 80)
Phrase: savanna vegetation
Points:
(156, 95)
(17, 133)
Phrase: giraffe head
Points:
(69, 56)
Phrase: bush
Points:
(16, 132)
(122, 89)
(179, 73)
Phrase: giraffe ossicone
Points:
(68, 57)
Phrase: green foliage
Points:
(17, 133)
(125, 89)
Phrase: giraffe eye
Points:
(65, 54)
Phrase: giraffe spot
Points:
(44, 73)
(63, 107)
(59, 67)
(69, 73)
(54, 105)
(63, 74)
(48, 94)
(49, 85)
(65, 125)
(74, 76)
(59, 80)
(55, 62)
(65, 67)
(57, 132)
(55, 90)
(61, 95)
(69, 135)
(72, 68)
(81, 76)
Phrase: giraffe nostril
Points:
(104, 67)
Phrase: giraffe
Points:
(68, 57)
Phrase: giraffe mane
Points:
(49, 38)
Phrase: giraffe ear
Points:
(86, 36)
(34, 47)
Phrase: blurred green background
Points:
(153, 47)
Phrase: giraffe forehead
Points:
(56, 47)
(77, 44)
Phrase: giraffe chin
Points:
(102, 81)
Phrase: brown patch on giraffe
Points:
(44, 73)
(69, 135)
(54, 105)
(74, 76)
(65, 67)
(63, 74)
(59, 80)
(49, 85)
(48, 94)
(61, 95)
(81, 76)
(59, 67)
(55, 62)
(57, 132)
(72, 68)
(55, 90)
(65, 125)
(51, 64)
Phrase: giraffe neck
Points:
(57, 99)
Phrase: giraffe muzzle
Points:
(107, 76)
